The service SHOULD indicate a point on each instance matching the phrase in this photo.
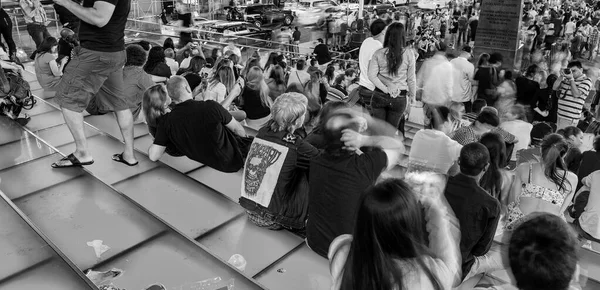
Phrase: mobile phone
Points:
(567, 71)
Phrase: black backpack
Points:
(16, 93)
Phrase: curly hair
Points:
(136, 55)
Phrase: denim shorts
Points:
(93, 74)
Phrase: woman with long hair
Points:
(482, 61)
(330, 74)
(224, 88)
(545, 186)
(496, 180)
(271, 62)
(221, 83)
(252, 62)
(169, 44)
(256, 100)
(192, 74)
(313, 90)
(276, 82)
(393, 72)
(389, 250)
(155, 104)
(47, 71)
(156, 65)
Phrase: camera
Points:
(567, 71)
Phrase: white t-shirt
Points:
(367, 49)
(522, 131)
(570, 27)
(433, 150)
(215, 91)
(463, 75)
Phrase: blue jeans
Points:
(384, 107)
(38, 33)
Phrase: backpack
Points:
(19, 94)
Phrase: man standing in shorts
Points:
(96, 70)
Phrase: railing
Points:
(217, 40)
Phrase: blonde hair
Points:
(288, 112)
(154, 103)
(225, 76)
(256, 81)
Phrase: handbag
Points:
(416, 114)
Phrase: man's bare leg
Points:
(125, 120)
(74, 121)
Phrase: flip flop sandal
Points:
(119, 158)
(74, 162)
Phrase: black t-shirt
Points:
(160, 70)
(526, 90)
(194, 80)
(197, 129)
(253, 106)
(336, 184)
(111, 37)
(187, 21)
(322, 53)
(64, 15)
(487, 78)
(296, 35)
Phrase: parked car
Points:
(171, 28)
(265, 14)
(380, 6)
(245, 33)
(349, 4)
(310, 11)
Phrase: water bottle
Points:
(238, 261)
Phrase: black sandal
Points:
(74, 162)
(119, 158)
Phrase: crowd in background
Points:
(503, 153)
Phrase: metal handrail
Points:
(296, 54)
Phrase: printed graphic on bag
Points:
(262, 169)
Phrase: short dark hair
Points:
(145, 45)
(496, 57)
(473, 158)
(487, 117)
(313, 61)
(332, 136)
(136, 55)
(349, 72)
(575, 63)
(478, 105)
(543, 253)
(300, 64)
(377, 27)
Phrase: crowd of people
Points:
(502, 153)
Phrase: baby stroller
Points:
(15, 95)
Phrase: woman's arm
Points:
(411, 77)
(56, 71)
(158, 79)
(373, 72)
(235, 92)
(572, 179)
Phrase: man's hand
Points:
(352, 140)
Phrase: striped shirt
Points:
(570, 107)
